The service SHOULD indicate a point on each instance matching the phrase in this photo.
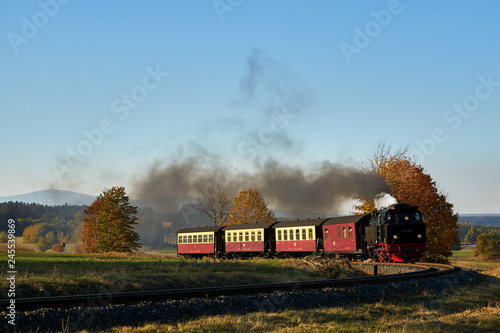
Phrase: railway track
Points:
(425, 270)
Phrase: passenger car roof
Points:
(199, 229)
(347, 219)
(249, 226)
(299, 223)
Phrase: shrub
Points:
(488, 246)
(58, 248)
(42, 244)
(3, 237)
(78, 248)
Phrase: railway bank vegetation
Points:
(410, 184)
(465, 309)
(58, 274)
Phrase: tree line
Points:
(469, 234)
(64, 224)
(486, 239)
(47, 226)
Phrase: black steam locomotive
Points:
(395, 233)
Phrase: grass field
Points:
(474, 309)
(58, 274)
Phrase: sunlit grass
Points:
(465, 309)
(54, 274)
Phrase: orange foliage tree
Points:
(109, 224)
(90, 231)
(249, 207)
(411, 185)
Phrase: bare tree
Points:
(215, 202)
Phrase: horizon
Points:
(104, 94)
(148, 206)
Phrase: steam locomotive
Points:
(395, 233)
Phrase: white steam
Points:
(384, 200)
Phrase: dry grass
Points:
(58, 274)
(474, 309)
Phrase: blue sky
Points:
(416, 73)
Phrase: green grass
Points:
(57, 274)
(467, 260)
(462, 254)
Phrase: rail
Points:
(426, 270)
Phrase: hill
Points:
(51, 198)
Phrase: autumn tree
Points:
(249, 207)
(411, 185)
(488, 246)
(109, 224)
(90, 231)
(215, 203)
(45, 243)
(33, 233)
(42, 245)
(4, 238)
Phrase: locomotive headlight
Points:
(395, 236)
(419, 236)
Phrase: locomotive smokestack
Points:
(384, 200)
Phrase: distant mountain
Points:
(52, 198)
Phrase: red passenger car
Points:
(345, 235)
(301, 236)
(247, 239)
(199, 242)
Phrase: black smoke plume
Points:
(296, 190)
